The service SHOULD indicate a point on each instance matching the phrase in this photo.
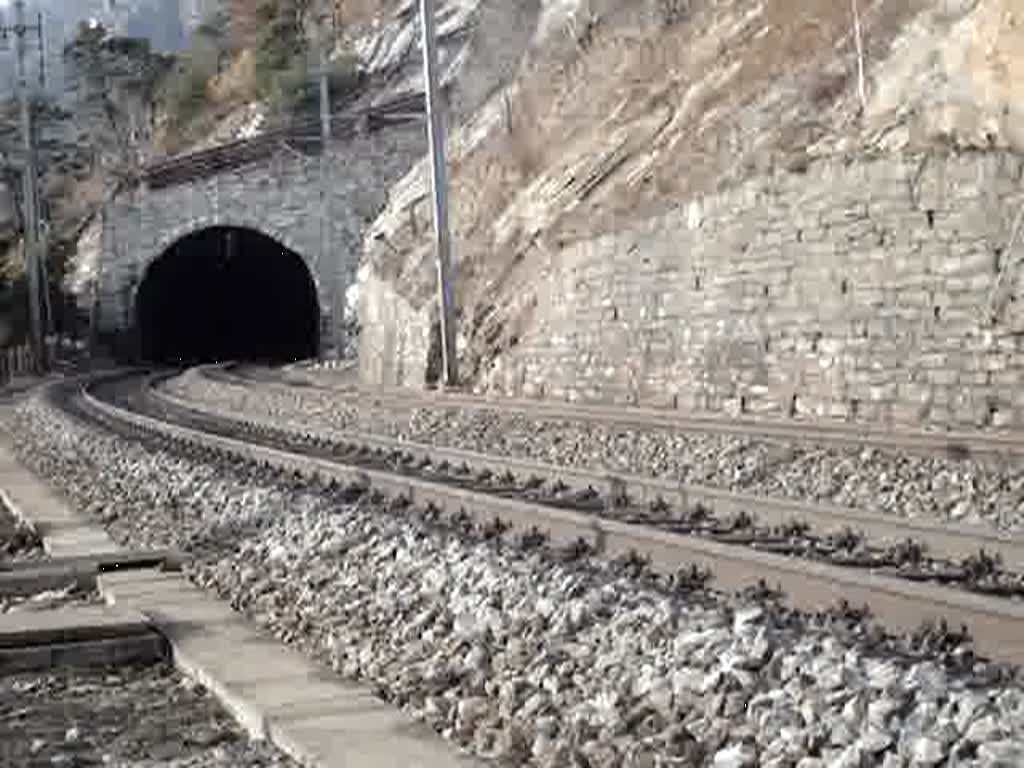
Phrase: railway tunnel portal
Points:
(227, 293)
(246, 250)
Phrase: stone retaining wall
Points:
(880, 291)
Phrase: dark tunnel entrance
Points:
(227, 293)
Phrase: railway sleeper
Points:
(846, 548)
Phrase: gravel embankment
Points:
(142, 717)
(531, 658)
(911, 486)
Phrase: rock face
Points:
(569, 158)
(950, 79)
(480, 45)
(87, 261)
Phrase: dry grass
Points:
(237, 84)
(736, 89)
(357, 12)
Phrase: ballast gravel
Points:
(18, 540)
(527, 657)
(125, 717)
(966, 491)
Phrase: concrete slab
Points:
(45, 576)
(140, 581)
(367, 738)
(107, 561)
(274, 691)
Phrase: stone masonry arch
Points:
(281, 196)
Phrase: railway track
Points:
(948, 444)
(712, 537)
(646, 500)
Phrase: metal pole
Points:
(439, 179)
(326, 262)
(42, 210)
(29, 186)
(325, 94)
(42, 53)
(42, 219)
(43, 249)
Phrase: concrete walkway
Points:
(274, 691)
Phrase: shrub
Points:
(289, 88)
(297, 88)
(184, 91)
(344, 79)
(280, 42)
(275, 68)
(128, 46)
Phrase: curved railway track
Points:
(641, 498)
(709, 537)
(948, 444)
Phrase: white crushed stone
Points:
(517, 656)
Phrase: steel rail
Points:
(943, 539)
(949, 444)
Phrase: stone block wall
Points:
(395, 338)
(882, 291)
